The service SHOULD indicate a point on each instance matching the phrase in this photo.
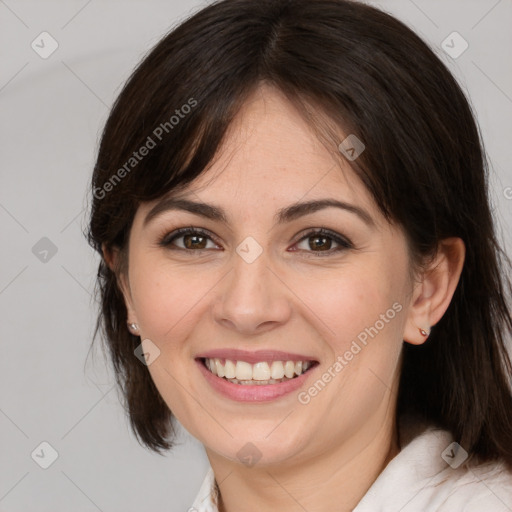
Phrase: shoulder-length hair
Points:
(350, 64)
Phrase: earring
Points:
(133, 327)
(424, 333)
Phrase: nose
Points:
(252, 297)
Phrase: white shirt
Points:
(418, 479)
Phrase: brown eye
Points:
(192, 239)
(321, 241)
(318, 242)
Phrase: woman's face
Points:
(256, 282)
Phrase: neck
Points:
(334, 480)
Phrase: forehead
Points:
(271, 157)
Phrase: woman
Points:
(299, 263)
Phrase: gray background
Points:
(52, 113)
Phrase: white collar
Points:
(417, 478)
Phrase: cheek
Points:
(166, 298)
(370, 327)
(345, 304)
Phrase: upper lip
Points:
(255, 356)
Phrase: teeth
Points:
(257, 382)
(241, 371)
(261, 371)
(229, 369)
(289, 369)
(276, 370)
(219, 367)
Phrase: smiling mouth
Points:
(259, 374)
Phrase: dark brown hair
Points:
(424, 165)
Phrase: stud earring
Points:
(133, 326)
(424, 333)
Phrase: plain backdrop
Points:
(52, 113)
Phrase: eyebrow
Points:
(283, 215)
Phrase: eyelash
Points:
(344, 243)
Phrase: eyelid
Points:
(165, 240)
(343, 241)
(338, 237)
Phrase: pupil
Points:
(316, 238)
(192, 245)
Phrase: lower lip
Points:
(252, 393)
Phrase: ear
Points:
(432, 296)
(111, 256)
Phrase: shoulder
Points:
(454, 484)
(430, 474)
(486, 487)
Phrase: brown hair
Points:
(424, 165)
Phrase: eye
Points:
(322, 239)
(193, 238)
(196, 239)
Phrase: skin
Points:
(323, 455)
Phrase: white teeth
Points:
(289, 369)
(243, 370)
(261, 371)
(277, 370)
(219, 367)
(229, 369)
